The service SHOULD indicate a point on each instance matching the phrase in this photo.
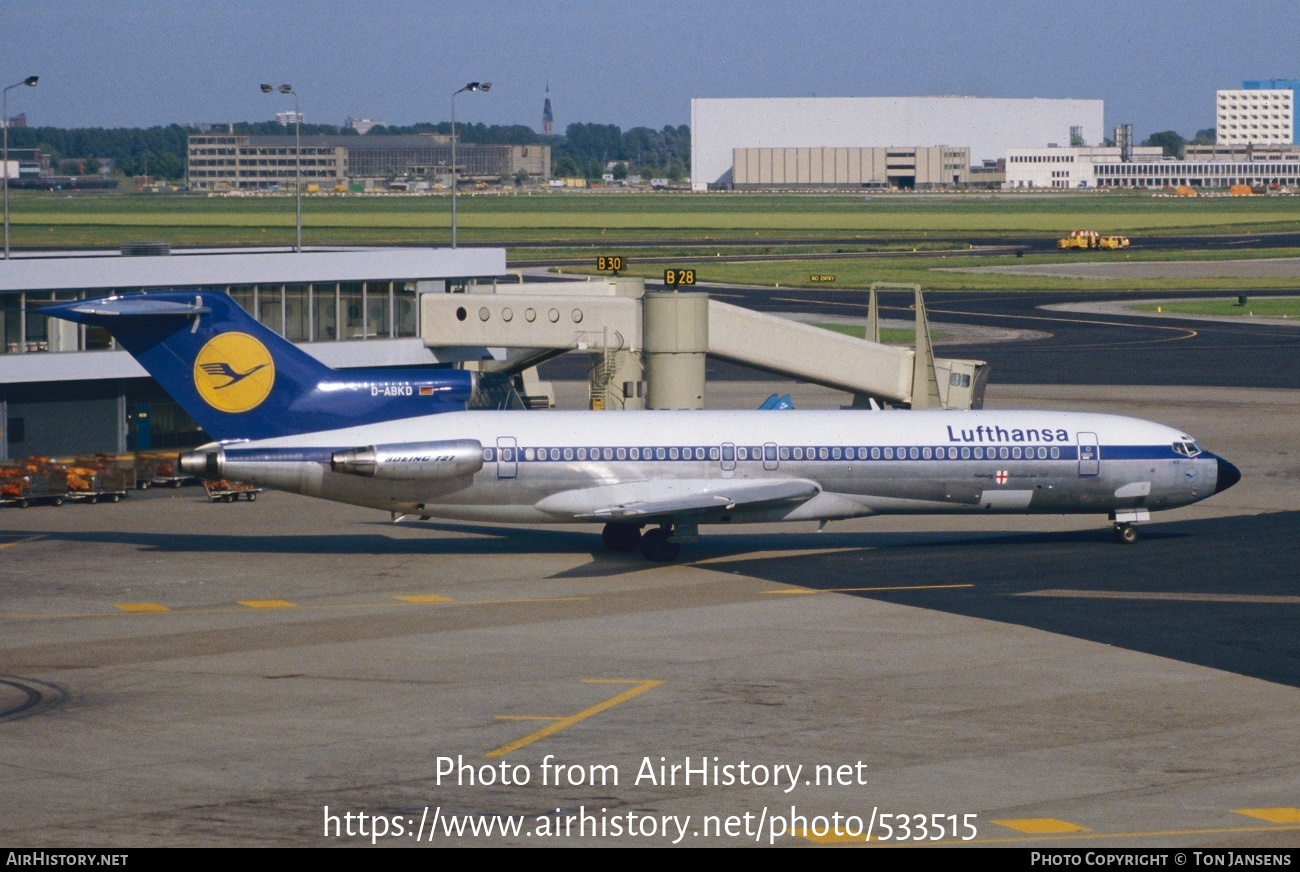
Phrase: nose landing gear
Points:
(1124, 519)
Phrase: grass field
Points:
(55, 219)
(1271, 307)
(684, 226)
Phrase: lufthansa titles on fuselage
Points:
(984, 433)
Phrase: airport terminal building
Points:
(1069, 168)
(987, 128)
(66, 389)
(1147, 167)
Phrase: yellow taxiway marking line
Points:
(139, 608)
(21, 541)
(268, 604)
(280, 604)
(1168, 597)
(424, 598)
(1040, 825)
(564, 722)
(539, 599)
(800, 591)
(1281, 815)
(1085, 834)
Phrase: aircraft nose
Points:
(1228, 475)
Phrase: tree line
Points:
(1174, 144)
(584, 149)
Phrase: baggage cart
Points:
(223, 491)
(49, 488)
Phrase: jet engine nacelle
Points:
(451, 458)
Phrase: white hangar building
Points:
(988, 126)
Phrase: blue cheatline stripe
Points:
(831, 453)
(753, 453)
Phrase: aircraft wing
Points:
(645, 499)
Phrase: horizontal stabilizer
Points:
(139, 307)
(646, 499)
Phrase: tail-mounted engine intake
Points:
(413, 460)
(205, 462)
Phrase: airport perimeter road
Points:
(177, 672)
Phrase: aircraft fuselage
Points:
(861, 463)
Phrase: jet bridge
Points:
(647, 349)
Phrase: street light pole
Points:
(297, 159)
(30, 82)
(455, 170)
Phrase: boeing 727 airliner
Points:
(403, 441)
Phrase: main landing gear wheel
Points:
(655, 546)
(621, 537)
(1126, 534)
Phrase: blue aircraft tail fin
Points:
(239, 380)
(777, 401)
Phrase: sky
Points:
(129, 63)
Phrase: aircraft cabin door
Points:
(770, 455)
(507, 457)
(1089, 455)
(728, 456)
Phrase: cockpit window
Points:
(1187, 448)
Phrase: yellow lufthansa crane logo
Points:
(234, 373)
